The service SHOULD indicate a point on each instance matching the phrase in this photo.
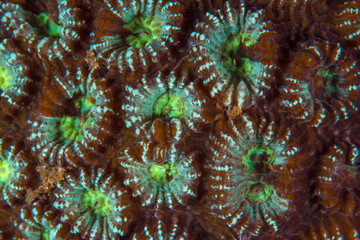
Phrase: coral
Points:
(38, 222)
(14, 173)
(160, 177)
(59, 132)
(337, 180)
(246, 171)
(14, 72)
(94, 205)
(322, 84)
(221, 50)
(51, 35)
(176, 119)
(151, 27)
(168, 97)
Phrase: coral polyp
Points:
(56, 132)
(72, 128)
(177, 119)
(221, 50)
(14, 176)
(168, 179)
(153, 27)
(336, 164)
(167, 97)
(15, 68)
(144, 30)
(97, 202)
(246, 172)
(258, 192)
(332, 89)
(261, 206)
(162, 173)
(94, 205)
(42, 34)
(169, 105)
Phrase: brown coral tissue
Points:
(179, 119)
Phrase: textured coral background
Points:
(179, 119)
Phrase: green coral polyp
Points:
(232, 46)
(249, 162)
(163, 173)
(97, 202)
(144, 30)
(5, 79)
(71, 127)
(325, 73)
(238, 67)
(169, 105)
(49, 26)
(84, 103)
(5, 170)
(258, 192)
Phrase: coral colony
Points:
(179, 119)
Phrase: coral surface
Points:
(179, 119)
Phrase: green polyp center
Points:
(258, 192)
(144, 30)
(163, 173)
(325, 73)
(97, 202)
(5, 170)
(47, 25)
(230, 50)
(168, 105)
(258, 158)
(5, 79)
(71, 127)
(84, 103)
(239, 67)
(46, 234)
